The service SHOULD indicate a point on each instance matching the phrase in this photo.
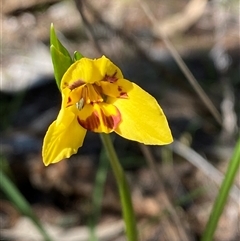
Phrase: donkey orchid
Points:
(96, 97)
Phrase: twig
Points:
(192, 80)
(223, 63)
(198, 161)
(181, 21)
(182, 233)
(88, 27)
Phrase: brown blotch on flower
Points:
(76, 84)
(98, 90)
(123, 95)
(112, 78)
(69, 100)
(111, 121)
(65, 84)
(91, 123)
(108, 121)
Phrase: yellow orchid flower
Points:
(96, 97)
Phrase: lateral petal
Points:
(63, 138)
(71, 97)
(142, 118)
(117, 89)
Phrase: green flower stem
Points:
(20, 203)
(127, 207)
(98, 190)
(223, 194)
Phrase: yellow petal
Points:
(83, 70)
(63, 138)
(99, 117)
(142, 118)
(114, 89)
(90, 71)
(108, 69)
(71, 97)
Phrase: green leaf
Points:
(223, 194)
(77, 56)
(21, 203)
(61, 58)
(56, 43)
(60, 64)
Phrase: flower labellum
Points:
(96, 97)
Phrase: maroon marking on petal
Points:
(69, 100)
(123, 95)
(96, 113)
(108, 121)
(120, 88)
(91, 123)
(79, 121)
(76, 84)
(112, 121)
(112, 78)
(98, 89)
(65, 84)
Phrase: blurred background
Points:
(173, 187)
